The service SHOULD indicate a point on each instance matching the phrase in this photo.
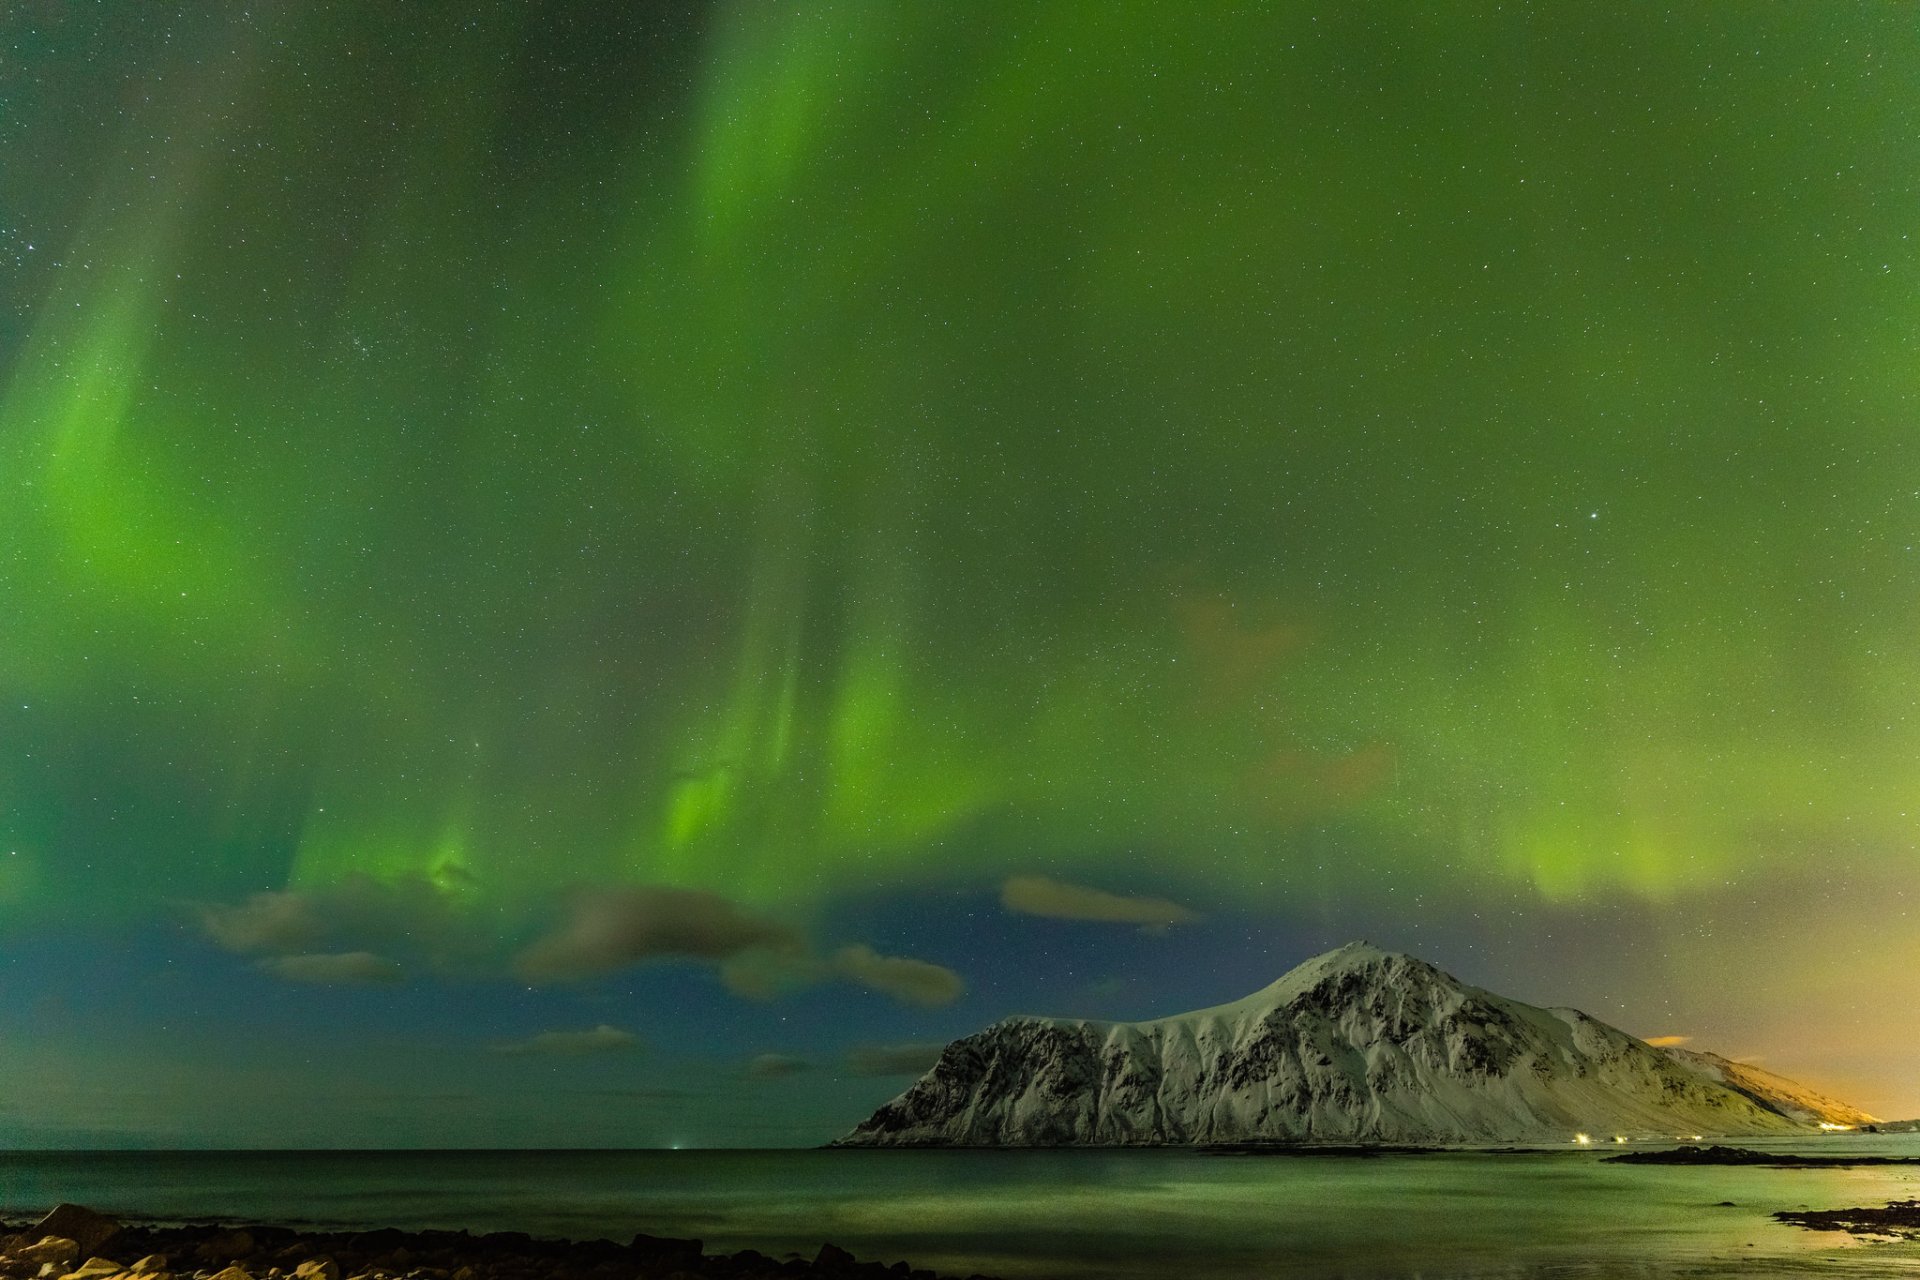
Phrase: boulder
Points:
(94, 1269)
(385, 1240)
(832, 1259)
(49, 1251)
(88, 1230)
(661, 1252)
(510, 1241)
(317, 1269)
(152, 1264)
(231, 1273)
(227, 1247)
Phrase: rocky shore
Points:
(1718, 1155)
(74, 1243)
(1900, 1219)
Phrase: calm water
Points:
(1034, 1214)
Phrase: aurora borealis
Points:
(826, 475)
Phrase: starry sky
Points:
(609, 574)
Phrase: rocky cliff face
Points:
(1358, 1045)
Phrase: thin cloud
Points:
(894, 1059)
(344, 969)
(777, 1066)
(1668, 1042)
(1059, 900)
(573, 1044)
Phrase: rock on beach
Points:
(75, 1243)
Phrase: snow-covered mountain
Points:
(1355, 1046)
(1776, 1093)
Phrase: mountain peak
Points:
(1358, 1044)
(1354, 954)
(1353, 962)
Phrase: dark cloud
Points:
(893, 1059)
(339, 969)
(763, 975)
(760, 959)
(913, 981)
(1059, 900)
(610, 929)
(574, 1044)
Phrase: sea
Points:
(1068, 1214)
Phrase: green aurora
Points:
(1402, 456)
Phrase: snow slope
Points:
(1356, 1046)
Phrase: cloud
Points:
(265, 922)
(1058, 900)
(611, 929)
(342, 969)
(914, 981)
(777, 1066)
(1667, 1042)
(600, 931)
(355, 914)
(764, 975)
(574, 1044)
(893, 1059)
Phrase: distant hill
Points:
(1776, 1093)
(1355, 1046)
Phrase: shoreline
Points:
(75, 1243)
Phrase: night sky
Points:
(582, 574)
